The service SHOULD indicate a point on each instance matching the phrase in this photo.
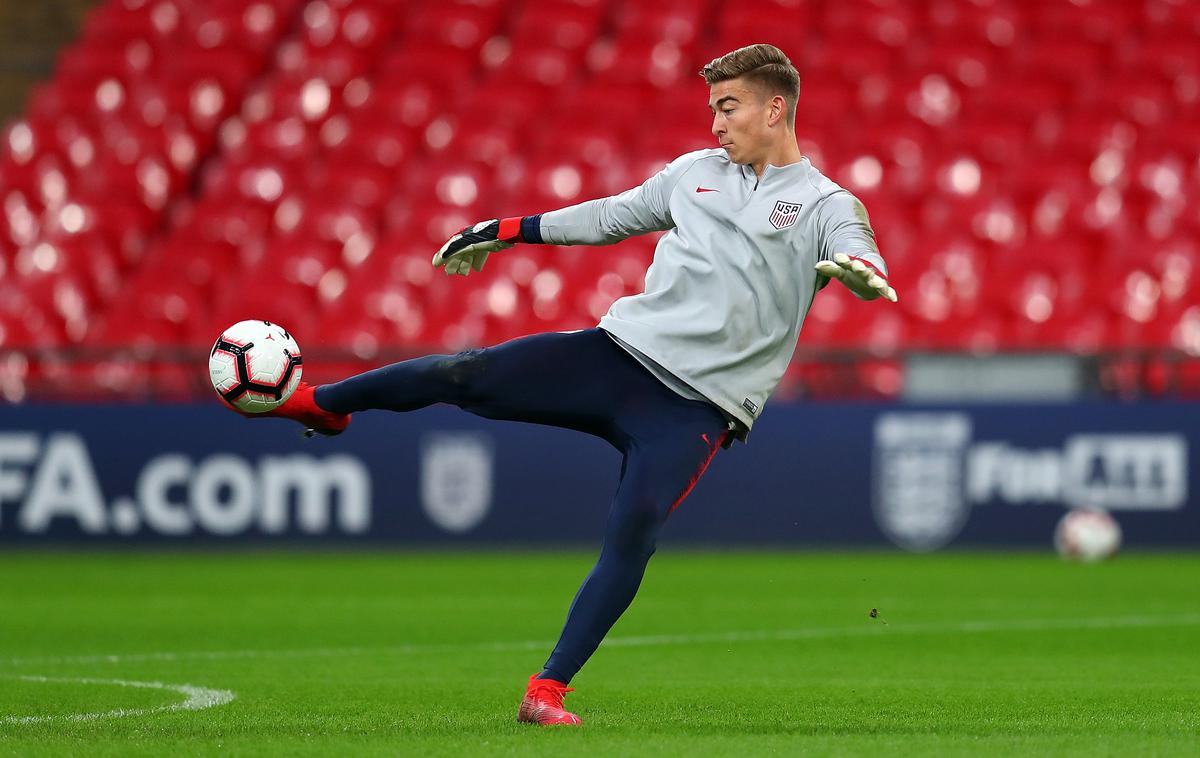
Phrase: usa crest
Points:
(785, 214)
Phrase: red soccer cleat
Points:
(302, 406)
(543, 703)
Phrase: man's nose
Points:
(717, 127)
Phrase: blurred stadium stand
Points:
(1032, 169)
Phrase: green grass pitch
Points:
(721, 654)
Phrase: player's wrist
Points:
(516, 229)
(510, 230)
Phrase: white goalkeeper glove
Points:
(860, 277)
(469, 249)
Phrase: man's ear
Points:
(777, 110)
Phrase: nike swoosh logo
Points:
(706, 189)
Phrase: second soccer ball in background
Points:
(1087, 535)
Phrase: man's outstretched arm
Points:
(847, 249)
(639, 210)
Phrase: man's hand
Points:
(861, 278)
(470, 248)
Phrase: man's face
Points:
(740, 116)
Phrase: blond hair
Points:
(762, 65)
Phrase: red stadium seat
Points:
(423, 215)
(325, 148)
(262, 180)
(582, 136)
(741, 24)
(335, 64)
(230, 66)
(826, 57)
(1015, 98)
(887, 23)
(549, 184)
(546, 68)
(1068, 62)
(1102, 22)
(462, 25)
(429, 62)
(566, 26)
(364, 25)
(970, 63)
(369, 140)
(121, 21)
(367, 26)
(124, 62)
(502, 102)
(252, 26)
(637, 58)
(679, 23)
(824, 101)
(291, 304)
(288, 139)
(364, 185)
(678, 138)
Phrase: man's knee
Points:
(634, 531)
(460, 372)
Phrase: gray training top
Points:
(732, 280)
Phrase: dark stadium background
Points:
(169, 167)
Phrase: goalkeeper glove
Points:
(470, 248)
(860, 277)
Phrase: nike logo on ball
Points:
(706, 189)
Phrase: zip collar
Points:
(790, 171)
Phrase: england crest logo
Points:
(920, 463)
(456, 480)
(785, 214)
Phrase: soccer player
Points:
(674, 373)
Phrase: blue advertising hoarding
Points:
(836, 474)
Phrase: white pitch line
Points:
(967, 627)
(195, 699)
(865, 629)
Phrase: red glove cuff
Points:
(510, 229)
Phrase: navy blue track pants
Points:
(582, 381)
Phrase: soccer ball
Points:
(255, 366)
(1087, 535)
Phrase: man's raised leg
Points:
(558, 379)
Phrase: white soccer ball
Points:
(255, 366)
(1087, 535)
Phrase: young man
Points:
(674, 373)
